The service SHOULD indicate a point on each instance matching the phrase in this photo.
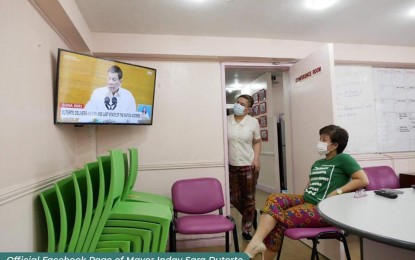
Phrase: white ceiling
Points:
(384, 22)
(379, 22)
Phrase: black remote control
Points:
(386, 194)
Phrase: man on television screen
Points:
(111, 104)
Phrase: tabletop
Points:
(390, 221)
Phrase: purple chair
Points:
(314, 234)
(381, 177)
(199, 199)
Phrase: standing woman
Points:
(244, 142)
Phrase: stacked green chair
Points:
(85, 186)
(136, 242)
(70, 205)
(100, 195)
(50, 206)
(85, 213)
(129, 194)
(113, 170)
(100, 192)
(122, 246)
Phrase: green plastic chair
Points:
(148, 212)
(136, 241)
(154, 228)
(145, 235)
(107, 250)
(123, 246)
(50, 206)
(129, 194)
(114, 175)
(70, 204)
(99, 194)
(85, 187)
(145, 213)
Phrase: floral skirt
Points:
(290, 211)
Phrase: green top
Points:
(329, 175)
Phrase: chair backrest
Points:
(50, 205)
(131, 172)
(85, 187)
(112, 168)
(381, 177)
(197, 196)
(98, 190)
(70, 203)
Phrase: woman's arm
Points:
(359, 181)
(256, 145)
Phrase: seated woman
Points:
(335, 174)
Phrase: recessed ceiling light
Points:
(319, 4)
(412, 12)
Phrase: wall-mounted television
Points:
(92, 90)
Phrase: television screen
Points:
(93, 90)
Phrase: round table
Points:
(389, 221)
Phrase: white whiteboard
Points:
(377, 107)
(395, 106)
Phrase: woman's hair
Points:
(247, 97)
(337, 135)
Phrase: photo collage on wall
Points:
(259, 111)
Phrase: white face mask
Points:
(322, 148)
(238, 109)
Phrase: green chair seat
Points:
(129, 194)
(123, 246)
(107, 250)
(153, 227)
(144, 234)
(136, 241)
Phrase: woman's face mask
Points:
(238, 109)
(322, 148)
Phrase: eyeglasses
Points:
(360, 193)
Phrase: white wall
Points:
(187, 130)
(33, 149)
(185, 140)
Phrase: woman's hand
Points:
(256, 166)
(333, 193)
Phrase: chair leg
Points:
(235, 233)
(235, 239)
(314, 252)
(172, 239)
(227, 242)
(346, 248)
(255, 221)
(282, 241)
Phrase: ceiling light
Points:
(412, 12)
(319, 4)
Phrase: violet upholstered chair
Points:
(197, 206)
(315, 234)
(381, 177)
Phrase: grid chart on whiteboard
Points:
(395, 108)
